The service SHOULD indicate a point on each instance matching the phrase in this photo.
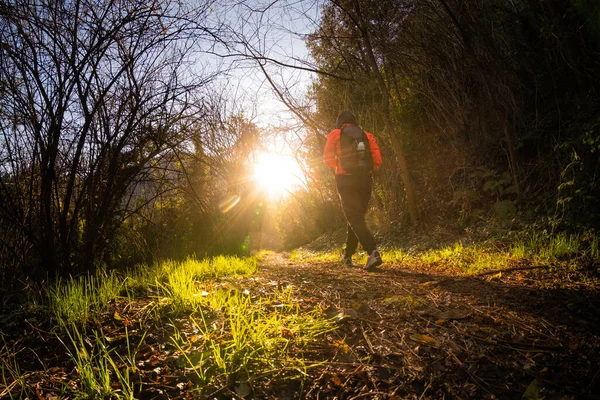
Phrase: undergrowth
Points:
(232, 340)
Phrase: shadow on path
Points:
(437, 336)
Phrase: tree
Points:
(95, 96)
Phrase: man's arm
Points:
(375, 152)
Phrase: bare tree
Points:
(95, 96)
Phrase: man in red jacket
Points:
(354, 154)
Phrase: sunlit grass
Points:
(529, 249)
(102, 372)
(83, 299)
(239, 336)
(250, 338)
(182, 282)
(74, 303)
(518, 251)
(79, 300)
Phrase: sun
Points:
(277, 174)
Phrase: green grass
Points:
(103, 373)
(249, 339)
(539, 248)
(13, 382)
(79, 300)
(144, 276)
(182, 283)
(392, 255)
(236, 337)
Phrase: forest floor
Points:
(400, 332)
(422, 334)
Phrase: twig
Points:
(527, 347)
(479, 382)
(367, 394)
(35, 328)
(350, 364)
(495, 271)
(367, 340)
(8, 389)
(425, 391)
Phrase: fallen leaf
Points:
(336, 380)
(453, 346)
(573, 346)
(342, 345)
(286, 332)
(424, 339)
(349, 313)
(532, 392)
(454, 313)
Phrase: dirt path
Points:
(418, 335)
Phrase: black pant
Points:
(355, 193)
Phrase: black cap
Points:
(345, 117)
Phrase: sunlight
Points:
(278, 174)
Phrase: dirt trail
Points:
(410, 334)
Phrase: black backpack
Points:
(355, 157)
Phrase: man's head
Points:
(345, 117)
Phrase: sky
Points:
(274, 29)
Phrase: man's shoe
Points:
(347, 261)
(373, 261)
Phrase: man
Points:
(354, 153)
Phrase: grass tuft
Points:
(78, 300)
(102, 372)
(249, 339)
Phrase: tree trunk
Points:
(512, 158)
(389, 127)
(466, 40)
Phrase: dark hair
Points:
(345, 117)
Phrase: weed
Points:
(483, 261)
(559, 247)
(594, 247)
(518, 251)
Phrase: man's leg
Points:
(351, 242)
(354, 194)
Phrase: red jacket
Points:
(331, 155)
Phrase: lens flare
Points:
(229, 203)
